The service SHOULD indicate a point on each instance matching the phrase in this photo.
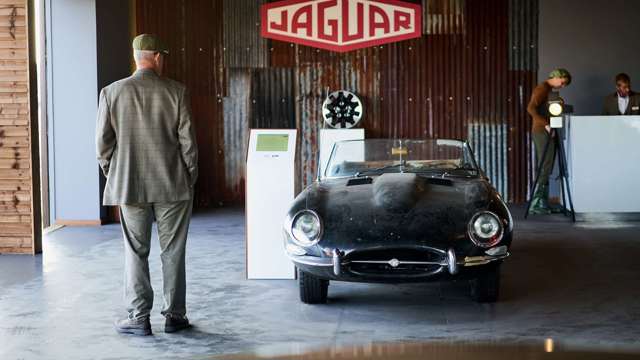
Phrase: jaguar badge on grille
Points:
(394, 263)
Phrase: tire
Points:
(485, 288)
(313, 290)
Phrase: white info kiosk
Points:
(269, 193)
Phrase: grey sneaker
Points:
(174, 323)
(141, 327)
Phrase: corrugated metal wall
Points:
(469, 76)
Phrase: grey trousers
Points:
(540, 140)
(173, 225)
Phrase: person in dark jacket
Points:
(624, 101)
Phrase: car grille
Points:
(396, 262)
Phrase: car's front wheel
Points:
(313, 290)
(485, 288)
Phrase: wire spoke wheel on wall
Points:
(342, 110)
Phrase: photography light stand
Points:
(555, 134)
(564, 174)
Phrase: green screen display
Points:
(272, 142)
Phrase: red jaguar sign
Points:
(341, 25)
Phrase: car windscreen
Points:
(377, 156)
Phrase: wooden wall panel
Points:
(18, 234)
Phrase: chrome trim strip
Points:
(391, 274)
(416, 248)
(442, 252)
(452, 263)
(311, 260)
(481, 260)
(399, 262)
(336, 259)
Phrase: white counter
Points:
(603, 160)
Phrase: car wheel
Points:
(485, 288)
(313, 290)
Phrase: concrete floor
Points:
(577, 284)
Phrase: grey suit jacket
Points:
(611, 105)
(145, 141)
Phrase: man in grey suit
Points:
(623, 101)
(146, 148)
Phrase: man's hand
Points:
(548, 128)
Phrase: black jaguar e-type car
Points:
(396, 211)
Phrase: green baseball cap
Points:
(148, 42)
(561, 73)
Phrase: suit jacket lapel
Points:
(612, 104)
(627, 111)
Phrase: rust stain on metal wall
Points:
(272, 99)
(470, 76)
(489, 144)
(236, 130)
(523, 66)
(443, 17)
(243, 45)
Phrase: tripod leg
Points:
(539, 170)
(561, 176)
(564, 173)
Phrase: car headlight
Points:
(306, 228)
(485, 229)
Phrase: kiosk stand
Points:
(269, 193)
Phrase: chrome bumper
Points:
(449, 261)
